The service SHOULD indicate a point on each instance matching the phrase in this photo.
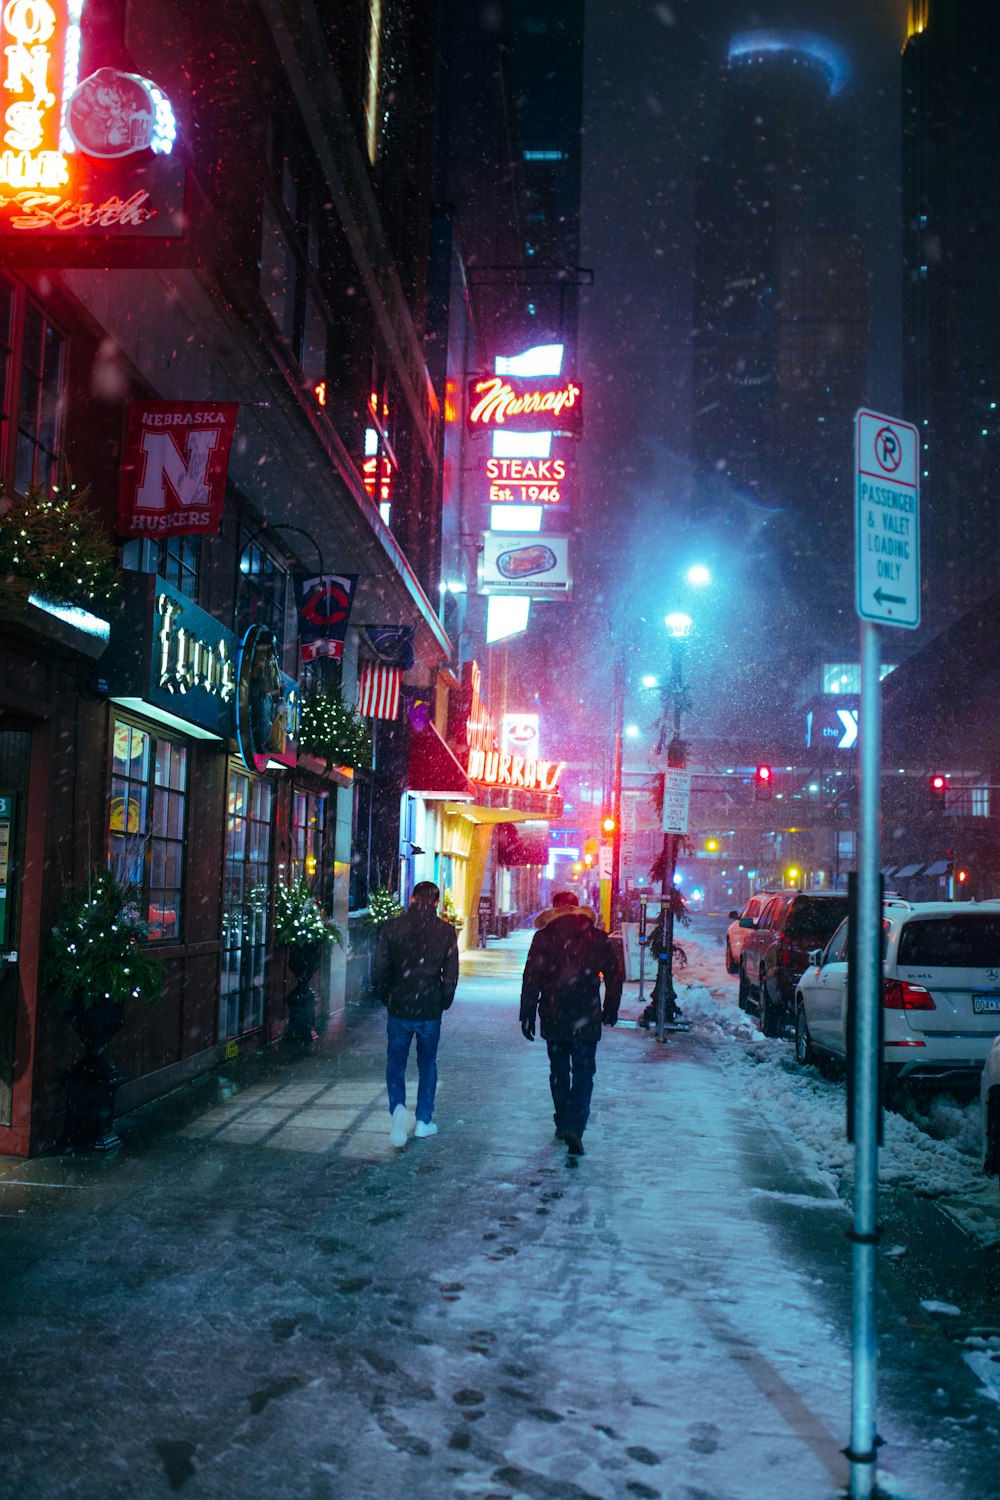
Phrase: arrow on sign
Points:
(883, 598)
(849, 718)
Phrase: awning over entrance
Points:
(906, 871)
(499, 804)
(939, 867)
(432, 771)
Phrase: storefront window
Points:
(146, 824)
(178, 564)
(32, 382)
(246, 903)
(308, 828)
(262, 588)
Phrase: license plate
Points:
(986, 1005)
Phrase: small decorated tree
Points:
(299, 919)
(332, 731)
(383, 904)
(301, 925)
(55, 541)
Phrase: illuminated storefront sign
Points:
(526, 481)
(523, 405)
(498, 769)
(523, 563)
(185, 661)
(519, 735)
(54, 128)
(41, 43)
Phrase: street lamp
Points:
(698, 576)
(678, 629)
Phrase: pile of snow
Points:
(937, 1154)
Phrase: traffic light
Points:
(608, 824)
(762, 783)
(938, 783)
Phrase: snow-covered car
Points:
(736, 934)
(989, 1094)
(940, 994)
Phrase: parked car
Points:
(989, 1095)
(940, 994)
(736, 933)
(776, 951)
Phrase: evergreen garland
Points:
(299, 919)
(52, 539)
(95, 948)
(329, 729)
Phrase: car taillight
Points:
(785, 951)
(898, 995)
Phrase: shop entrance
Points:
(246, 903)
(15, 753)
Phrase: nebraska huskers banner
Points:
(173, 477)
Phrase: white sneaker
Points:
(428, 1128)
(397, 1134)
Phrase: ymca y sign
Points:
(887, 520)
(173, 477)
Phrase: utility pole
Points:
(616, 795)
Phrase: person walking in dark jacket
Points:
(416, 973)
(567, 959)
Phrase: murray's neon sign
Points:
(524, 406)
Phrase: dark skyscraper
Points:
(779, 361)
(951, 369)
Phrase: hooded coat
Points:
(562, 977)
(416, 965)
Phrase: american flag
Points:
(378, 691)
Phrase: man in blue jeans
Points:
(416, 972)
(567, 959)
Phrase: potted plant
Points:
(383, 905)
(449, 911)
(302, 926)
(95, 964)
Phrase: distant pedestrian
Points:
(567, 959)
(416, 973)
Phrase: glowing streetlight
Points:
(678, 624)
(632, 731)
(649, 681)
(698, 576)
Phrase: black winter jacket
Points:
(562, 978)
(416, 965)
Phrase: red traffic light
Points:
(762, 781)
(938, 783)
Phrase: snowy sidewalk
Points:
(275, 1304)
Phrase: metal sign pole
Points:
(868, 948)
(643, 907)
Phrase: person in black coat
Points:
(415, 977)
(568, 957)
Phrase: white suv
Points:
(989, 1094)
(940, 993)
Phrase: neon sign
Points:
(526, 481)
(42, 46)
(499, 769)
(521, 406)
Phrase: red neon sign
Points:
(33, 90)
(498, 769)
(526, 481)
(522, 406)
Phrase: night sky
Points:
(649, 95)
